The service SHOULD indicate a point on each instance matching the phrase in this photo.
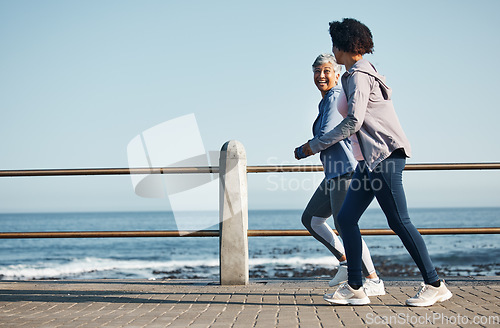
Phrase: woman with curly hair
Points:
(371, 118)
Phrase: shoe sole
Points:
(362, 301)
(443, 298)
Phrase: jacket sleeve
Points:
(358, 88)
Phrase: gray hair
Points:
(327, 58)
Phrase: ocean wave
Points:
(328, 261)
(90, 266)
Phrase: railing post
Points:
(233, 214)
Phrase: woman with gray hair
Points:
(338, 163)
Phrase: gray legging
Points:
(327, 200)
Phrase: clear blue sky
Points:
(80, 79)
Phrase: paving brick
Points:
(281, 303)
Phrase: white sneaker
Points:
(340, 276)
(374, 288)
(347, 295)
(428, 295)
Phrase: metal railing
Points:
(233, 230)
(216, 233)
(215, 169)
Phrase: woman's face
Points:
(325, 77)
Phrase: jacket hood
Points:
(366, 67)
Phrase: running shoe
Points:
(428, 295)
(340, 277)
(374, 288)
(345, 294)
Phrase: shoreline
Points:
(384, 269)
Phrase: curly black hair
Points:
(351, 35)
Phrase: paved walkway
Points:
(201, 303)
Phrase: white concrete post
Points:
(233, 214)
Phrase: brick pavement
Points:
(203, 303)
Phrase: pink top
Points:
(342, 108)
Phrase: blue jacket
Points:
(337, 159)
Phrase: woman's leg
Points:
(387, 180)
(338, 190)
(358, 197)
(314, 218)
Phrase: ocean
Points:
(198, 257)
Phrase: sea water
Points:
(198, 257)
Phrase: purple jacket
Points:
(370, 115)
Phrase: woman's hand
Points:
(303, 151)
